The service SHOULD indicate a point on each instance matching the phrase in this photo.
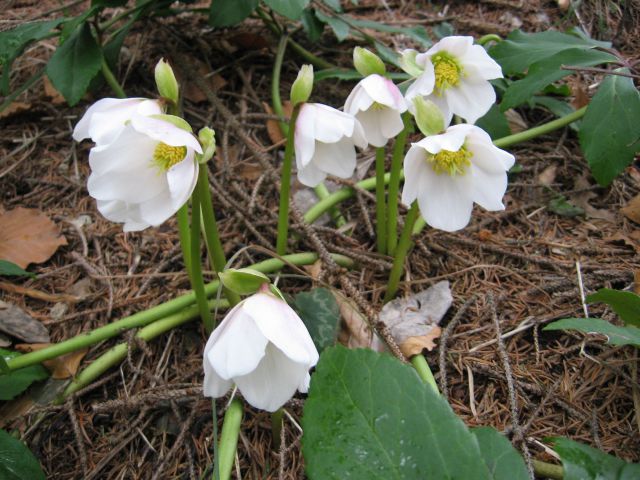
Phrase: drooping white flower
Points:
(325, 140)
(105, 119)
(264, 348)
(447, 173)
(145, 174)
(378, 105)
(455, 76)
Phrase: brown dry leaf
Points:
(548, 175)
(360, 333)
(415, 345)
(515, 121)
(28, 236)
(632, 209)
(485, 235)
(314, 269)
(62, 367)
(51, 93)
(580, 96)
(582, 200)
(15, 107)
(15, 408)
(17, 323)
(248, 170)
(636, 283)
(192, 91)
(628, 240)
(249, 41)
(273, 127)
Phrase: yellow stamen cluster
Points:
(452, 163)
(447, 71)
(166, 156)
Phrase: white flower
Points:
(325, 140)
(264, 348)
(105, 119)
(455, 75)
(447, 173)
(378, 105)
(145, 174)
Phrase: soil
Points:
(527, 265)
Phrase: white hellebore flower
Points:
(145, 174)
(447, 173)
(105, 119)
(264, 348)
(325, 140)
(378, 105)
(455, 76)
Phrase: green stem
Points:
(424, 371)
(548, 470)
(197, 281)
(285, 187)
(229, 439)
(404, 244)
(323, 192)
(184, 235)
(276, 101)
(394, 184)
(490, 37)
(111, 80)
(276, 428)
(381, 204)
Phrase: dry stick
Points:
(513, 403)
(151, 398)
(78, 436)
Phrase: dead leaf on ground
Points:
(15, 408)
(194, 93)
(415, 345)
(516, 122)
(632, 240)
(17, 323)
(360, 335)
(62, 367)
(582, 200)
(580, 95)
(28, 236)
(314, 270)
(249, 41)
(548, 175)
(15, 107)
(632, 209)
(51, 93)
(273, 126)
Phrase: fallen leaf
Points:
(249, 41)
(28, 236)
(581, 200)
(314, 269)
(515, 121)
(17, 323)
(632, 209)
(636, 282)
(192, 92)
(62, 367)
(51, 93)
(548, 175)
(13, 108)
(360, 335)
(627, 240)
(485, 235)
(580, 96)
(415, 345)
(4, 341)
(14, 409)
(273, 126)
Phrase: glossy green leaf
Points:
(14, 383)
(74, 64)
(609, 134)
(16, 460)
(11, 269)
(503, 461)
(625, 304)
(417, 33)
(615, 335)
(312, 26)
(370, 417)
(559, 108)
(494, 123)
(340, 27)
(321, 315)
(226, 13)
(289, 8)
(582, 462)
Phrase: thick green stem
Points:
(229, 440)
(424, 371)
(276, 427)
(276, 101)
(547, 470)
(111, 80)
(285, 187)
(184, 236)
(394, 184)
(381, 203)
(489, 37)
(197, 281)
(323, 192)
(404, 244)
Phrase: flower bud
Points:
(302, 86)
(207, 137)
(408, 62)
(428, 116)
(166, 81)
(243, 281)
(367, 63)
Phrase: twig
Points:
(78, 436)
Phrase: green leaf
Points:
(289, 8)
(582, 462)
(625, 304)
(609, 133)
(11, 269)
(494, 123)
(108, 3)
(370, 417)
(503, 461)
(312, 26)
(559, 108)
(226, 13)
(17, 381)
(321, 315)
(417, 33)
(615, 335)
(74, 64)
(520, 50)
(16, 460)
(443, 29)
(562, 207)
(340, 27)
(549, 70)
(333, 5)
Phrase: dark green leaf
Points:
(321, 314)
(417, 33)
(16, 460)
(520, 50)
(289, 8)
(494, 123)
(559, 108)
(11, 269)
(311, 24)
(561, 206)
(73, 23)
(549, 70)
(74, 64)
(388, 55)
(333, 5)
(582, 462)
(340, 27)
(615, 335)
(17, 381)
(503, 461)
(339, 73)
(625, 304)
(108, 3)
(443, 29)
(609, 134)
(226, 13)
(370, 417)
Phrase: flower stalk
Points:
(111, 80)
(381, 203)
(285, 186)
(404, 244)
(424, 371)
(228, 440)
(197, 281)
(394, 184)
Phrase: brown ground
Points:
(156, 424)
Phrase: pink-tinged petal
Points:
(310, 175)
(358, 100)
(331, 124)
(383, 91)
(414, 163)
(423, 85)
(165, 132)
(133, 186)
(477, 62)
(443, 202)
(371, 125)
(130, 150)
(456, 46)
(304, 138)
(470, 100)
(337, 159)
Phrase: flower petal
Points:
(331, 124)
(214, 385)
(337, 158)
(470, 100)
(383, 91)
(310, 175)
(358, 100)
(423, 85)
(165, 132)
(371, 125)
(477, 62)
(443, 203)
(414, 163)
(122, 212)
(391, 122)
(130, 150)
(304, 138)
(182, 178)
(455, 45)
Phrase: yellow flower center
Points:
(166, 156)
(452, 163)
(377, 106)
(447, 70)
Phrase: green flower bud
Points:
(408, 63)
(276, 291)
(243, 281)
(166, 81)
(301, 88)
(367, 63)
(428, 116)
(207, 137)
